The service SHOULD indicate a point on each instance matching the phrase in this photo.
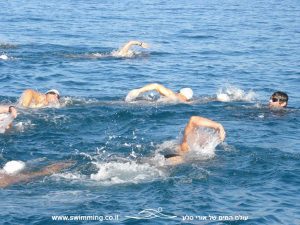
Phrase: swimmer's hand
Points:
(144, 45)
(13, 111)
(222, 132)
(132, 95)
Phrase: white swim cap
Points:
(14, 167)
(4, 57)
(53, 91)
(187, 92)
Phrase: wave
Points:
(107, 55)
(7, 46)
(108, 169)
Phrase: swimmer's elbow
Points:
(195, 120)
(184, 147)
(155, 84)
(26, 98)
(28, 91)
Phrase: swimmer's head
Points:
(278, 99)
(13, 167)
(53, 96)
(187, 93)
(4, 57)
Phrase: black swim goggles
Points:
(276, 100)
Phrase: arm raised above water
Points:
(197, 121)
(151, 87)
(27, 98)
(125, 49)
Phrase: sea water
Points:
(233, 54)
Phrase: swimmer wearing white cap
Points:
(184, 95)
(34, 99)
(12, 172)
(125, 50)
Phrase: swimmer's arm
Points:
(26, 98)
(7, 180)
(197, 121)
(4, 109)
(159, 88)
(9, 109)
(124, 50)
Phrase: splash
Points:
(203, 143)
(5, 121)
(125, 172)
(231, 93)
(72, 101)
(171, 145)
(23, 126)
(106, 55)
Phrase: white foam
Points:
(203, 143)
(231, 93)
(22, 126)
(129, 54)
(66, 101)
(69, 176)
(99, 55)
(5, 120)
(14, 167)
(167, 145)
(125, 172)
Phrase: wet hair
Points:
(281, 96)
(53, 93)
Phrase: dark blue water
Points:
(250, 48)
